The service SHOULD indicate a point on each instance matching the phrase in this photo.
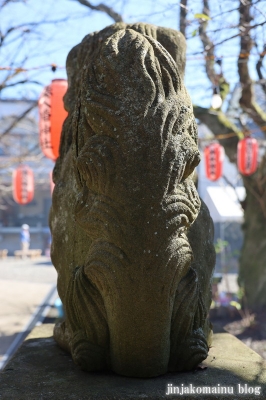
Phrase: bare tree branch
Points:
(4, 86)
(24, 28)
(11, 1)
(258, 68)
(4, 188)
(208, 46)
(219, 125)
(230, 11)
(217, 80)
(232, 37)
(183, 17)
(19, 118)
(247, 100)
(259, 10)
(103, 8)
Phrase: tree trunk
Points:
(224, 130)
(252, 263)
(252, 269)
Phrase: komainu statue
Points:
(132, 242)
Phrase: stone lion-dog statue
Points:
(132, 241)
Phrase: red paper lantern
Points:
(247, 155)
(52, 115)
(214, 157)
(23, 184)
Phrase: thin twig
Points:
(103, 8)
(183, 17)
(19, 118)
(231, 37)
(258, 68)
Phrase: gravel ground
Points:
(24, 284)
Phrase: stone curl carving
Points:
(132, 242)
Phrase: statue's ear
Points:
(175, 43)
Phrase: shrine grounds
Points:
(24, 285)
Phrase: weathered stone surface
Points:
(40, 370)
(132, 242)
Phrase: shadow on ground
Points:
(49, 262)
(250, 330)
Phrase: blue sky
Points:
(49, 42)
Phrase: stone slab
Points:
(40, 370)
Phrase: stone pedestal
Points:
(42, 370)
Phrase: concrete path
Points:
(24, 284)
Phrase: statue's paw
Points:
(192, 351)
(198, 350)
(62, 335)
(89, 356)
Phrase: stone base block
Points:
(40, 370)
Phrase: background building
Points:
(19, 144)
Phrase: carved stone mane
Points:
(124, 206)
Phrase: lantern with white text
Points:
(247, 155)
(214, 157)
(23, 184)
(52, 115)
